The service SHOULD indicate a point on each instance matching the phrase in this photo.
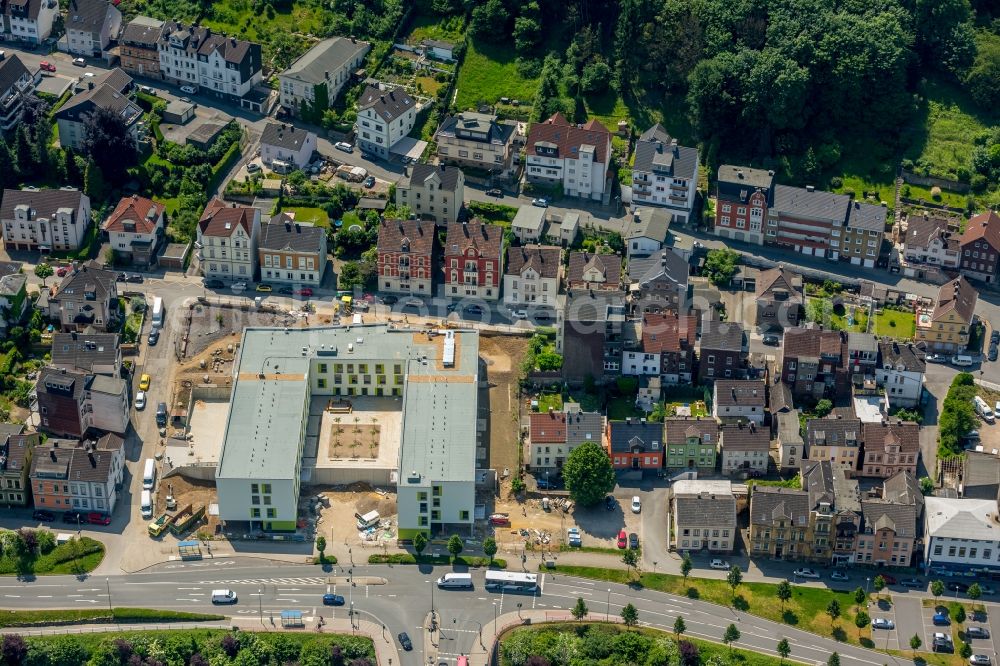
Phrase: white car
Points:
(719, 564)
(806, 573)
(636, 504)
(541, 202)
(190, 90)
(79, 62)
(518, 314)
(344, 146)
(883, 623)
(839, 575)
(239, 287)
(140, 400)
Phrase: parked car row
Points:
(73, 517)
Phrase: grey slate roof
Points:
(44, 202)
(678, 429)
(721, 335)
(745, 176)
(866, 216)
(291, 236)
(284, 136)
(328, 55)
(904, 356)
(72, 462)
(583, 427)
(419, 173)
(817, 204)
(91, 352)
(649, 223)
(833, 432)
(11, 69)
(102, 96)
(781, 398)
(735, 437)
(143, 31)
(717, 510)
(11, 285)
(105, 384)
(768, 505)
(542, 258)
(387, 104)
(625, 434)
(827, 483)
(666, 263)
(740, 392)
(654, 153)
(880, 513)
(87, 15)
(903, 487)
(467, 121)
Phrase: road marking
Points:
(87, 601)
(74, 595)
(187, 600)
(188, 588)
(289, 589)
(13, 596)
(90, 589)
(44, 596)
(294, 601)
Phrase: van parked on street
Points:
(455, 581)
(146, 504)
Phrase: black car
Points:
(770, 339)
(286, 291)
(993, 353)
(135, 277)
(154, 337)
(122, 277)
(405, 641)
(333, 600)
(633, 541)
(161, 414)
(995, 338)
(495, 192)
(73, 517)
(977, 632)
(43, 516)
(474, 309)
(610, 503)
(956, 586)
(389, 300)
(912, 582)
(214, 284)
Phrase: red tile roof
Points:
(985, 226)
(548, 428)
(220, 219)
(140, 210)
(568, 137)
(665, 332)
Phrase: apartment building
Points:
(406, 252)
(862, 238)
(807, 220)
(666, 348)
(834, 512)
(78, 475)
(900, 371)
(665, 173)
(16, 84)
(722, 353)
(73, 116)
(587, 271)
(139, 47)
(739, 400)
(291, 252)
(960, 535)
(435, 192)
(14, 299)
(658, 283)
(91, 353)
(980, 248)
(227, 241)
(384, 118)
(791, 447)
(86, 300)
(837, 440)
(780, 299)
(477, 140)
(72, 403)
(553, 435)
(743, 200)
(532, 276)
(16, 450)
(590, 336)
(575, 157)
(779, 523)
(473, 261)
(703, 513)
(44, 220)
(814, 363)
(647, 232)
(891, 447)
(91, 25)
(744, 448)
(28, 21)
(690, 443)
(134, 229)
(317, 76)
(947, 326)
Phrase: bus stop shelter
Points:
(189, 549)
(291, 619)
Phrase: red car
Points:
(95, 518)
(622, 540)
(305, 291)
(47, 66)
(889, 579)
(62, 270)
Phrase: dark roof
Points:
(626, 434)
(721, 335)
(985, 226)
(959, 296)
(740, 392)
(88, 15)
(14, 449)
(880, 513)
(678, 429)
(10, 268)
(62, 382)
(200, 40)
(779, 280)
(543, 259)
(649, 223)
(324, 57)
(566, 138)
(387, 104)
(706, 508)
(142, 31)
(789, 428)
(117, 78)
(980, 476)
(91, 277)
(866, 216)
(584, 306)
(219, 219)
(547, 427)
(903, 487)
(413, 236)
(901, 356)
(449, 175)
(284, 136)
(77, 463)
(740, 437)
(665, 263)
(745, 176)
(814, 204)
(101, 96)
(11, 70)
(812, 343)
(584, 427)
(922, 229)
(486, 238)
(45, 203)
(283, 233)
(781, 398)
(769, 505)
(610, 265)
(656, 152)
(905, 434)
(833, 432)
(24, 8)
(91, 352)
(494, 132)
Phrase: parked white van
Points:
(149, 474)
(455, 581)
(223, 597)
(983, 409)
(146, 504)
(157, 312)
(961, 360)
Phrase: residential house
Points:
(744, 448)
(90, 353)
(960, 535)
(704, 516)
(904, 488)
(44, 220)
(743, 199)
(292, 252)
(739, 400)
(285, 148)
(807, 220)
(384, 117)
(13, 295)
(649, 393)
(947, 327)
(779, 523)
(438, 49)
(837, 440)
(664, 173)
(576, 157)
(86, 300)
(980, 247)
(890, 447)
(16, 450)
(553, 435)
(646, 232)
(691, 443)
(888, 535)
(78, 475)
(531, 276)
(901, 372)
(91, 25)
(591, 272)
(528, 224)
(723, 351)
(791, 447)
(28, 21)
(224, 67)
(73, 403)
(569, 227)
(930, 239)
(668, 338)
(862, 357)
(139, 47)
(406, 250)
(103, 94)
(317, 77)
(227, 241)
(433, 192)
(473, 260)
(780, 299)
(658, 283)
(476, 140)
(862, 237)
(834, 512)
(590, 335)
(135, 228)
(634, 444)
(16, 84)
(813, 363)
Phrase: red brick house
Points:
(635, 444)
(744, 196)
(980, 248)
(473, 260)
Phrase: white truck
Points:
(983, 409)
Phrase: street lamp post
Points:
(867, 581)
(480, 634)
(494, 617)
(607, 614)
(519, 611)
(108, 583)
(260, 606)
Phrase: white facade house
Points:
(91, 25)
(225, 67)
(16, 84)
(901, 372)
(532, 276)
(384, 117)
(227, 241)
(573, 157)
(286, 147)
(327, 66)
(640, 363)
(741, 399)
(292, 252)
(134, 228)
(664, 173)
(528, 224)
(44, 220)
(961, 535)
(646, 231)
(28, 21)
(744, 448)
(108, 404)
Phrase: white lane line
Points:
(85, 601)
(13, 596)
(289, 589)
(44, 596)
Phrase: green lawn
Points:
(315, 216)
(553, 400)
(448, 29)
(952, 123)
(622, 408)
(75, 557)
(27, 618)
(819, 310)
(895, 324)
(948, 198)
(698, 408)
(489, 73)
(242, 18)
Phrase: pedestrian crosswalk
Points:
(267, 581)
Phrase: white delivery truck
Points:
(367, 520)
(149, 474)
(146, 505)
(983, 409)
(458, 581)
(157, 312)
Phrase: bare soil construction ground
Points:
(186, 491)
(503, 355)
(337, 522)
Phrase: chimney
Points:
(810, 188)
(770, 172)
(753, 427)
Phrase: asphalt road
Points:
(401, 597)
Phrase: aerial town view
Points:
(499, 333)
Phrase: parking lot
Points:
(886, 639)
(927, 614)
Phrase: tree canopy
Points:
(588, 474)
